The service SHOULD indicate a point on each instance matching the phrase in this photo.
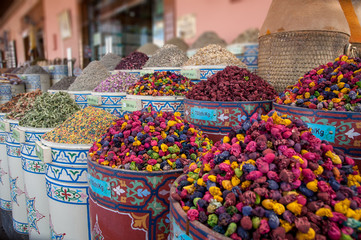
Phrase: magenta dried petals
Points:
(233, 84)
(119, 82)
(135, 60)
(261, 182)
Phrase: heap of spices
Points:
(63, 84)
(20, 70)
(50, 110)
(272, 179)
(214, 54)
(167, 56)
(335, 86)
(8, 106)
(35, 70)
(179, 43)
(161, 84)
(150, 141)
(248, 36)
(23, 105)
(208, 38)
(233, 84)
(91, 76)
(135, 60)
(83, 127)
(149, 49)
(119, 82)
(110, 61)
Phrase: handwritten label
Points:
(23, 77)
(2, 126)
(131, 105)
(43, 152)
(100, 187)
(51, 68)
(18, 135)
(145, 71)
(94, 100)
(204, 114)
(323, 132)
(191, 73)
(236, 49)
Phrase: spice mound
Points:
(119, 82)
(233, 84)
(35, 70)
(50, 110)
(208, 38)
(23, 105)
(135, 60)
(63, 84)
(161, 84)
(91, 76)
(151, 141)
(335, 86)
(110, 61)
(179, 43)
(214, 55)
(83, 127)
(149, 49)
(248, 36)
(272, 179)
(8, 106)
(167, 56)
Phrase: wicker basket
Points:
(284, 57)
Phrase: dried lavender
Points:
(135, 60)
(35, 70)
(63, 84)
(110, 60)
(208, 38)
(91, 76)
(149, 49)
(167, 56)
(214, 55)
(119, 82)
(179, 43)
(50, 110)
(248, 36)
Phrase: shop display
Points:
(35, 70)
(161, 84)
(110, 61)
(63, 84)
(23, 105)
(334, 86)
(149, 49)
(233, 84)
(49, 110)
(150, 141)
(91, 76)
(214, 54)
(248, 36)
(208, 38)
(167, 56)
(119, 82)
(271, 178)
(180, 43)
(84, 127)
(135, 60)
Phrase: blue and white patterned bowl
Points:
(36, 81)
(80, 97)
(200, 72)
(108, 101)
(247, 53)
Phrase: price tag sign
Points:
(131, 105)
(2, 126)
(146, 71)
(323, 132)
(51, 68)
(94, 100)
(100, 187)
(43, 152)
(204, 114)
(191, 73)
(236, 49)
(19, 135)
(23, 77)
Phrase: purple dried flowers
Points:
(116, 83)
(135, 60)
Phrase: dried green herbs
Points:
(50, 110)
